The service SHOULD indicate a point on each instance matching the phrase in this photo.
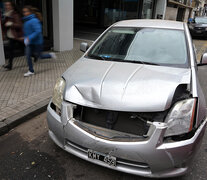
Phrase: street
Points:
(27, 152)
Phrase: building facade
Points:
(200, 7)
(60, 16)
(180, 10)
(103, 13)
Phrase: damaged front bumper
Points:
(149, 157)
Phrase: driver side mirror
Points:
(84, 46)
(203, 60)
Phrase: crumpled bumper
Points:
(150, 158)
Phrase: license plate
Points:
(199, 31)
(110, 160)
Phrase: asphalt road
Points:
(27, 153)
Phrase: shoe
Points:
(28, 74)
(53, 55)
(8, 67)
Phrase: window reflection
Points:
(147, 11)
(148, 45)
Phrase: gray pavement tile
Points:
(22, 96)
(45, 102)
(10, 113)
(2, 118)
(9, 110)
(20, 107)
(4, 114)
(12, 120)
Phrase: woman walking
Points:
(12, 29)
(33, 38)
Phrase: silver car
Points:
(132, 102)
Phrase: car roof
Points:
(166, 24)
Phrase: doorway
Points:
(180, 14)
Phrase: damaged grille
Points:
(127, 122)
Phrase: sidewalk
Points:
(21, 96)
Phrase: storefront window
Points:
(116, 10)
(147, 11)
(106, 12)
(43, 6)
(87, 11)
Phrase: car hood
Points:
(123, 86)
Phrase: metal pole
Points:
(2, 57)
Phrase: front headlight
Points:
(57, 97)
(180, 118)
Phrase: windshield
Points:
(200, 20)
(142, 45)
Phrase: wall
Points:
(63, 24)
(160, 9)
(171, 13)
(186, 15)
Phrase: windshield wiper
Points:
(95, 57)
(105, 58)
(99, 57)
(135, 61)
(143, 62)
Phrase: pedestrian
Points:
(12, 30)
(1, 10)
(33, 38)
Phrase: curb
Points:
(23, 116)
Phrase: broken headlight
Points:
(180, 118)
(57, 97)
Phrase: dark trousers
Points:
(11, 48)
(34, 50)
